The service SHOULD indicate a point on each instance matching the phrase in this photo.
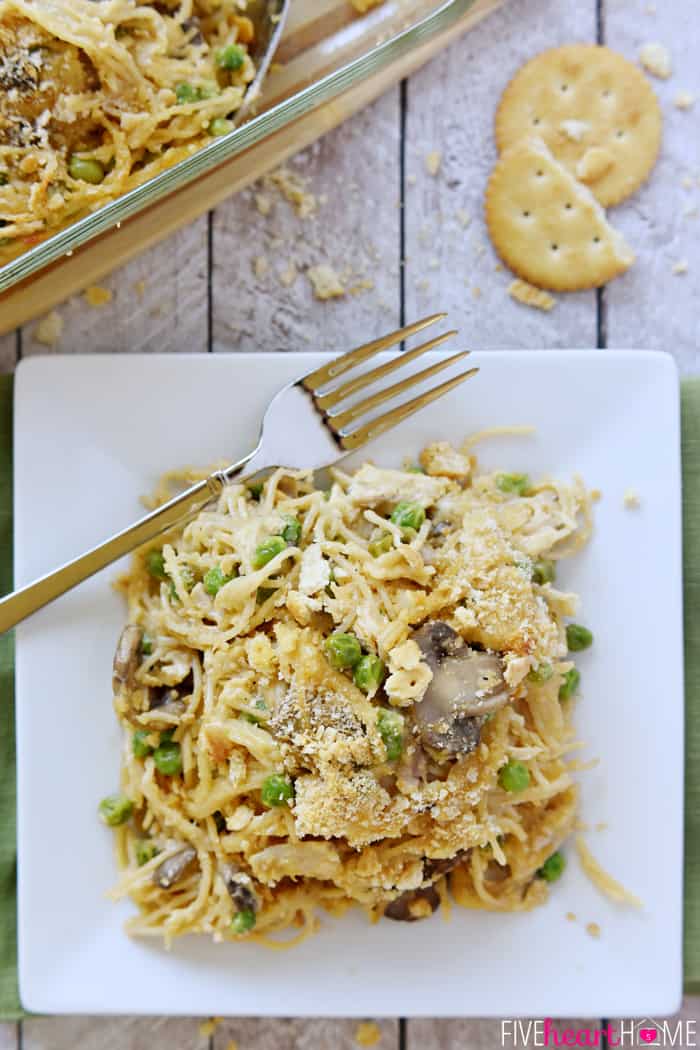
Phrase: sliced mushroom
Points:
(172, 869)
(496, 872)
(192, 27)
(169, 699)
(240, 887)
(127, 657)
(433, 869)
(413, 905)
(467, 685)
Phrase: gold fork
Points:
(305, 427)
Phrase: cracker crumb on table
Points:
(571, 916)
(367, 1034)
(631, 499)
(325, 282)
(207, 1028)
(288, 276)
(530, 296)
(365, 284)
(656, 59)
(48, 331)
(263, 203)
(680, 268)
(294, 188)
(593, 930)
(433, 162)
(684, 100)
(95, 295)
(260, 266)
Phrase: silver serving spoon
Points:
(269, 17)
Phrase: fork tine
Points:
(340, 420)
(338, 366)
(383, 423)
(353, 385)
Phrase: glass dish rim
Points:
(225, 148)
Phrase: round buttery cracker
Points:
(548, 227)
(596, 111)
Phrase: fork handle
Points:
(22, 603)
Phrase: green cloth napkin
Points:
(10, 1008)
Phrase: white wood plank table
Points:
(420, 241)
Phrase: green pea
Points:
(343, 650)
(263, 593)
(86, 169)
(256, 489)
(185, 92)
(140, 745)
(578, 638)
(145, 851)
(553, 867)
(276, 790)
(570, 683)
(146, 644)
(408, 515)
(514, 776)
(381, 545)
(155, 564)
(516, 484)
(230, 58)
(291, 533)
(166, 736)
(541, 674)
(391, 725)
(168, 758)
(543, 571)
(115, 810)
(220, 126)
(243, 921)
(254, 720)
(215, 580)
(414, 468)
(268, 550)
(369, 673)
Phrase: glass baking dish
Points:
(344, 50)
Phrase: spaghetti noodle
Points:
(97, 96)
(353, 696)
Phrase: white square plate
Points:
(92, 434)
